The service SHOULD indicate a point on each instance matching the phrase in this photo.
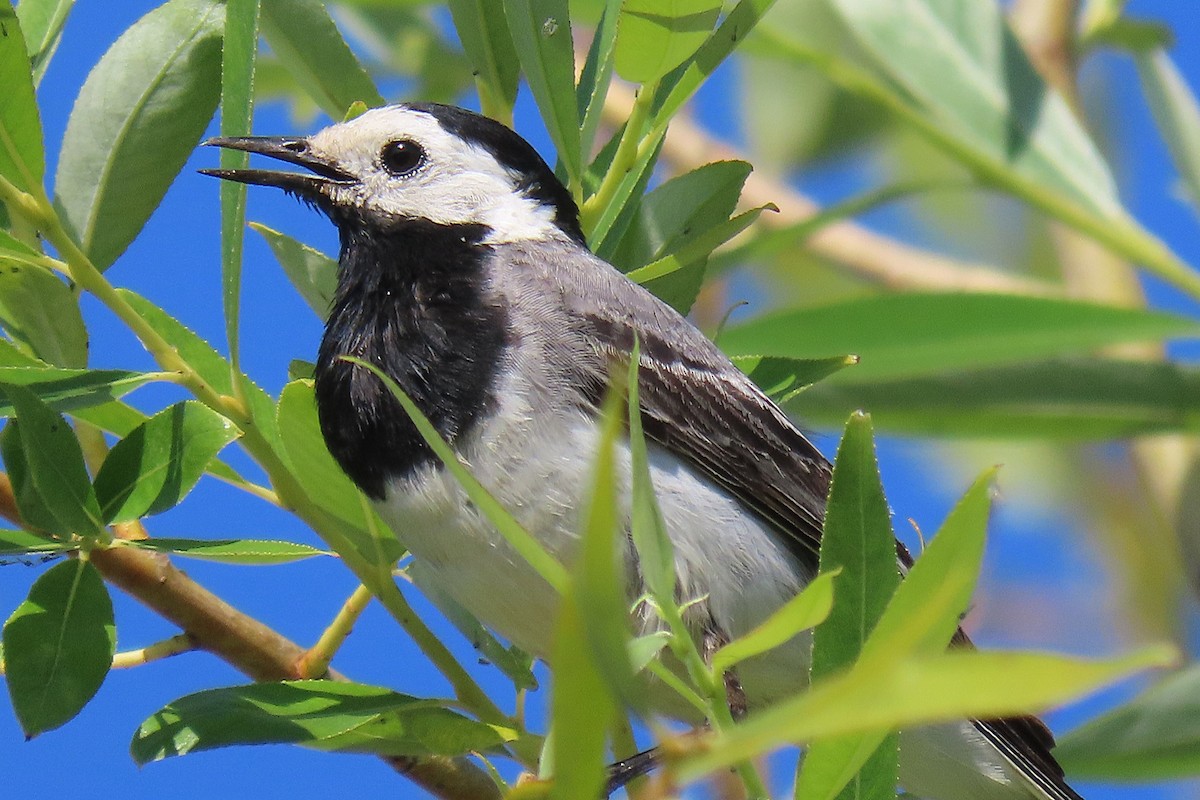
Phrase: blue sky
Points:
(1034, 551)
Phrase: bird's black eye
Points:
(401, 156)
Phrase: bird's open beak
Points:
(285, 148)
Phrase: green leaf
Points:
(42, 21)
(784, 378)
(326, 715)
(963, 67)
(857, 542)
(519, 539)
(1068, 399)
(903, 335)
(22, 160)
(254, 552)
(155, 466)
(58, 646)
(732, 31)
(304, 37)
(12, 249)
(655, 36)
(313, 273)
(924, 612)
(806, 610)
(1154, 737)
(21, 543)
(606, 235)
(209, 364)
(677, 278)
(55, 463)
(599, 579)
(541, 32)
(514, 662)
(319, 475)
(909, 692)
(680, 210)
(41, 314)
(69, 389)
(34, 511)
(136, 120)
(582, 707)
(1175, 112)
(596, 75)
(238, 55)
(656, 556)
(483, 30)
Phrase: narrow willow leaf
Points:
(906, 693)
(656, 556)
(69, 389)
(858, 542)
(313, 273)
(514, 662)
(681, 209)
(505, 523)
(1067, 399)
(784, 378)
(136, 120)
(41, 314)
(55, 463)
(12, 249)
(209, 364)
(583, 710)
(903, 335)
(599, 575)
(58, 646)
(541, 32)
(596, 75)
(42, 22)
(327, 715)
(483, 30)
(22, 543)
(806, 610)
(605, 236)
(157, 464)
(1154, 737)
(254, 552)
(238, 54)
(677, 278)
(923, 614)
(979, 83)
(1176, 113)
(304, 37)
(22, 160)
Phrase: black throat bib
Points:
(411, 301)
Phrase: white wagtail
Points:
(465, 276)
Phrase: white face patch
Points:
(458, 181)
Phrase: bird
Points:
(464, 275)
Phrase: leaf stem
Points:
(629, 149)
(315, 661)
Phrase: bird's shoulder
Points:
(694, 401)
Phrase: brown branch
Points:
(248, 645)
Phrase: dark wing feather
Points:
(700, 407)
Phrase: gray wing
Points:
(704, 410)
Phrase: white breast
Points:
(538, 466)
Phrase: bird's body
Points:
(465, 278)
